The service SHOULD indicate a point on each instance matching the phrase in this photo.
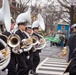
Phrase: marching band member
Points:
(22, 66)
(36, 57)
(38, 41)
(12, 64)
(28, 29)
(22, 20)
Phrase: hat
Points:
(35, 24)
(28, 27)
(73, 26)
(21, 23)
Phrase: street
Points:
(51, 62)
(50, 51)
(51, 54)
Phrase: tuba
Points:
(4, 52)
(34, 40)
(40, 43)
(14, 42)
(5, 18)
(27, 44)
(26, 16)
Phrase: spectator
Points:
(72, 41)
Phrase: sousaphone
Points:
(39, 22)
(5, 18)
(25, 17)
(4, 52)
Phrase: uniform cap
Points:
(73, 26)
(21, 23)
(28, 27)
(35, 24)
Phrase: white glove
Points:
(24, 40)
(6, 71)
(1, 55)
(28, 57)
(20, 50)
(14, 50)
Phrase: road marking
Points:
(52, 66)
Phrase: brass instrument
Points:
(39, 43)
(14, 42)
(27, 45)
(5, 18)
(24, 17)
(5, 15)
(34, 40)
(5, 53)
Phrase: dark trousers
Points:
(72, 73)
(22, 67)
(12, 65)
(69, 56)
(29, 61)
(36, 59)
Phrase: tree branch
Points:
(63, 5)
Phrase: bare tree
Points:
(66, 5)
(52, 15)
(17, 8)
(21, 6)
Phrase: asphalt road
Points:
(50, 51)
